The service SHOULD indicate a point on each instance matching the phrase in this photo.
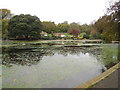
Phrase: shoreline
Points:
(104, 75)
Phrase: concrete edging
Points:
(100, 77)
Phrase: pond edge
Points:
(99, 77)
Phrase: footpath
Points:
(112, 81)
(108, 79)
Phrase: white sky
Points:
(79, 11)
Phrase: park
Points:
(43, 54)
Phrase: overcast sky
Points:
(79, 11)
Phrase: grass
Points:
(91, 86)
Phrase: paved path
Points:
(108, 79)
(109, 82)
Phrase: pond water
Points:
(36, 66)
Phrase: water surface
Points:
(35, 66)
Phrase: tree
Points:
(74, 29)
(49, 27)
(86, 28)
(74, 25)
(25, 27)
(63, 27)
(108, 25)
(103, 27)
(4, 19)
(5, 13)
(74, 32)
(114, 11)
(4, 28)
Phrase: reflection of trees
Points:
(77, 50)
(109, 55)
(31, 56)
(21, 57)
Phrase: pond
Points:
(52, 66)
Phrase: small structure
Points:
(57, 34)
(63, 36)
(43, 33)
(115, 41)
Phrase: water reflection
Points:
(54, 67)
(32, 55)
(109, 55)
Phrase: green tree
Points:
(86, 28)
(4, 19)
(74, 25)
(25, 27)
(5, 13)
(63, 27)
(108, 25)
(49, 27)
(107, 29)
(114, 12)
(4, 28)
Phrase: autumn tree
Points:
(74, 32)
(74, 29)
